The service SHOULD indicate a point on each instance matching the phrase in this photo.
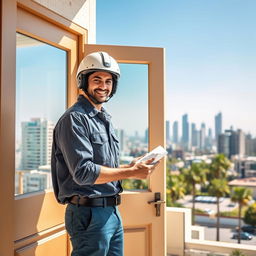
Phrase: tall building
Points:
(168, 137)
(146, 136)
(121, 137)
(185, 132)
(218, 125)
(209, 139)
(36, 180)
(175, 132)
(194, 135)
(224, 144)
(36, 143)
(240, 142)
(250, 145)
(232, 143)
(202, 136)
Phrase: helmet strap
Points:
(84, 86)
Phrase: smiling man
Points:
(85, 162)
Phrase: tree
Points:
(219, 166)
(175, 188)
(250, 215)
(132, 184)
(196, 174)
(218, 188)
(237, 253)
(242, 196)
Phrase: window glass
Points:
(41, 82)
(129, 111)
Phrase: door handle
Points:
(157, 202)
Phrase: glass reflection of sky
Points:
(41, 78)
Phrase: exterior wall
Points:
(81, 12)
(178, 229)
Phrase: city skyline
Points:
(207, 126)
(210, 53)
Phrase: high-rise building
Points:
(250, 145)
(202, 136)
(36, 143)
(232, 143)
(34, 180)
(218, 125)
(240, 142)
(168, 137)
(224, 144)
(146, 136)
(185, 132)
(194, 135)
(121, 137)
(175, 132)
(209, 139)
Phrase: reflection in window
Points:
(129, 111)
(41, 80)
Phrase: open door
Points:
(144, 222)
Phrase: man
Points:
(85, 163)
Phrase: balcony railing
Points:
(183, 239)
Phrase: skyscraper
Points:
(194, 134)
(121, 136)
(185, 132)
(168, 137)
(232, 143)
(175, 132)
(202, 136)
(224, 144)
(209, 139)
(36, 143)
(218, 125)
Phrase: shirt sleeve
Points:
(72, 137)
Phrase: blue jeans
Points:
(94, 231)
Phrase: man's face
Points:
(100, 85)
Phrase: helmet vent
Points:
(105, 59)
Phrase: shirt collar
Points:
(90, 109)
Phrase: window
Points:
(41, 82)
(129, 111)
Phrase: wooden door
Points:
(144, 231)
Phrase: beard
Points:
(99, 95)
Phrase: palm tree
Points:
(175, 188)
(250, 215)
(196, 174)
(218, 188)
(219, 166)
(242, 196)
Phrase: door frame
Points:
(17, 216)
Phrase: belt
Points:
(96, 202)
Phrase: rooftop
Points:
(246, 182)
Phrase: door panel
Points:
(52, 245)
(139, 237)
(144, 231)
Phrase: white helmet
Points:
(96, 61)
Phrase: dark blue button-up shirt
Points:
(83, 140)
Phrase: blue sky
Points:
(210, 53)
(40, 78)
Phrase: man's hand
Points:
(143, 169)
(134, 170)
